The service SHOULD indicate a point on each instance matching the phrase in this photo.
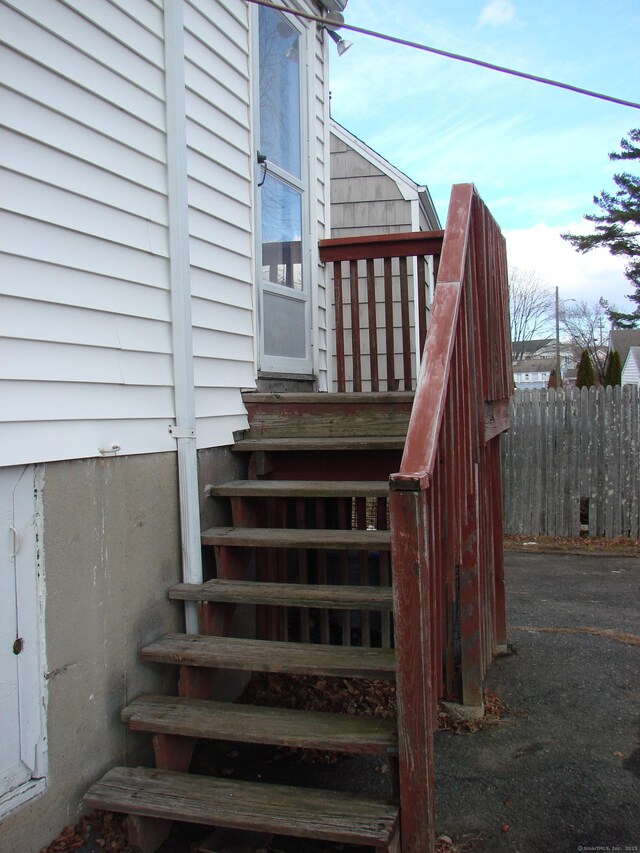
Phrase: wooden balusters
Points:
(381, 317)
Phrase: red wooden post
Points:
(412, 610)
(147, 833)
(470, 609)
(404, 318)
(339, 315)
(355, 326)
(392, 384)
(373, 325)
(493, 449)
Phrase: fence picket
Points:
(573, 453)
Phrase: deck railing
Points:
(445, 502)
(381, 288)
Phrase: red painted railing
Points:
(445, 502)
(380, 297)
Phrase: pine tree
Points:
(553, 379)
(618, 227)
(586, 377)
(613, 374)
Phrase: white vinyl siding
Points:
(85, 302)
(85, 319)
(219, 188)
(320, 140)
(631, 367)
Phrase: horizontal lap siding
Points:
(220, 225)
(319, 137)
(85, 317)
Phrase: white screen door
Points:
(282, 198)
(21, 733)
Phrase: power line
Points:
(448, 55)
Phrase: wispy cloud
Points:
(497, 13)
(577, 276)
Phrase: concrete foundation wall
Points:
(111, 549)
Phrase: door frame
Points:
(271, 364)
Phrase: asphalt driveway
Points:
(565, 777)
(562, 772)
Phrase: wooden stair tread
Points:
(287, 594)
(302, 488)
(256, 724)
(270, 656)
(280, 809)
(354, 442)
(275, 537)
(322, 398)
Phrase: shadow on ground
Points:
(565, 777)
(563, 773)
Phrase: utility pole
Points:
(558, 371)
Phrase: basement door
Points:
(21, 712)
(282, 196)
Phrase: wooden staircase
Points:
(339, 487)
(299, 545)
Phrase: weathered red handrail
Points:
(369, 285)
(445, 502)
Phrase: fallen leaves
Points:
(368, 698)
(619, 547)
(106, 830)
(495, 712)
(365, 697)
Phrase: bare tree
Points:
(588, 328)
(532, 308)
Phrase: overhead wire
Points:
(449, 55)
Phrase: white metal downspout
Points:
(179, 270)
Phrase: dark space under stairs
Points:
(319, 463)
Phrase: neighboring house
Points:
(537, 348)
(631, 367)
(533, 372)
(623, 340)
(150, 269)
(570, 377)
(370, 196)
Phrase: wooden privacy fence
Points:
(445, 502)
(570, 463)
(380, 290)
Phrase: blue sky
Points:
(537, 154)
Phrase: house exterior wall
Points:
(84, 247)
(111, 548)
(84, 240)
(86, 343)
(631, 369)
(321, 178)
(86, 309)
(363, 199)
(219, 164)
